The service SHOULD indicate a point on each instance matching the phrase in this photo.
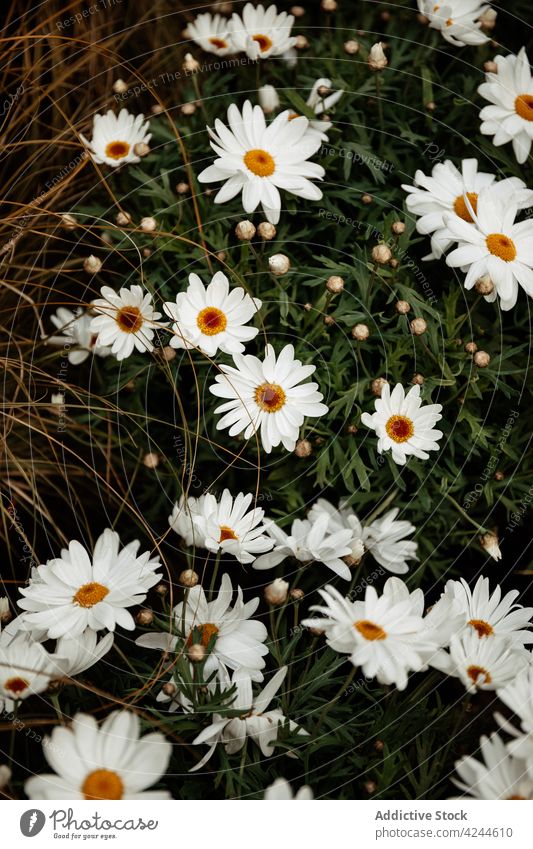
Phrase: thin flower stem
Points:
(465, 515)
(334, 700)
(215, 572)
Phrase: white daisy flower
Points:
(211, 33)
(26, 669)
(281, 790)
(320, 104)
(510, 93)
(340, 519)
(310, 542)
(230, 526)
(125, 320)
(259, 160)
(443, 192)
(386, 636)
(255, 720)
(481, 664)
(261, 32)
(495, 245)
(457, 20)
(267, 397)
(77, 654)
(110, 762)
(403, 425)
(498, 776)
(74, 591)
(182, 520)
(75, 331)
(268, 98)
(212, 319)
(385, 539)
(115, 136)
(518, 696)
(491, 615)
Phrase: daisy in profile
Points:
(509, 118)
(261, 32)
(321, 100)
(459, 21)
(77, 654)
(212, 318)
(182, 520)
(76, 591)
(115, 137)
(267, 397)
(75, 331)
(231, 526)
(498, 776)
(26, 669)
(211, 33)
(490, 615)
(385, 539)
(125, 320)
(110, 762)
(259, 160)
(403, 425)
(281, 790)
(496, 246)
(481, 664)
(518, 696)
(447, 190)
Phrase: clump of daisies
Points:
(76, 336)
(499, 775)
(459, 21)
(116, 137)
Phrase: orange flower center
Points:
(264, 42)
(218, 42)
(400, 428)
(477, 672)
(369, 630)
(16, 685)
(514, 798)
(205, 632)
(117, 149)
(129, 319)
(260, 162)
(211, 321)
(102, 784)
(90, 594)
(460, 208)
(501, 246)
(483, 628)
(270, 397)
(227, 533)
(293, 115)
(524, 106)
(449, 22)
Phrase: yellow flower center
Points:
(260, 162)
(369, 630)
(483, 628)
(205, 632)
(501, 246)
(449, 22)
(524, 106)
(460, 208)
(102, 784)
(477, 672)
(117, 149)
(218, 42)
(90, 594)
(264, 42)
(400, 428)
(16, 685)
(227, 533)
(211, 321)
(270, 397)
(129, 319)
(436, 8)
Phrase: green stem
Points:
(464, 514)
(335, 699)
(215, 572)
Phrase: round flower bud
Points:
(161, 589)
(245, 231)
(277, 591)
(68, 222)
(190, 64)
(151, 460)
(335, 284)
(328, 5)
(188, 109)
(169, 689)
(298, 11)
(141, 149)
(123, 219)
(379, 745)
(144, 616)
(148, 225)
(376, 58)
(499, 475)
(484, 286)
(147, 252)
(351, 47)
(431, 106)
(182, 188)
(92, 264)
(381, 254)
(296, 594)
(366, 198)
(418, 379)
(221, 256)
(385, 16)
(329, 321)
(168, 353)
(188, 578)
(301, 42)
(268, 98)
(266, 231)
(370, 787)
(403, 307)
(360, 332)
(308, 307)
(490, 67)
(303, 448)
(398, 228)
(394, 263)
(279, 264)
(156, 109)
(377, 386)
(470, 347)
(119, 86)
(481, 359)
(418, 326)
(352, 429)
(196, 653)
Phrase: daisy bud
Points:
(484, 286)
(190, 64)
(277, 591)
(394, 263)
(245, 231)
(148, 225)
(301, 42)
(303, 448)
(279, 264)
(351, 47)
(297, 11)
(188, 109)
(385, 16)
(308, 307)
(366, 198)
(119, 86)
(188, 578)
(398, 228)
(488, 19)
(379, 745)
(169, 689)
(490, 543)
(221, 256)
(329, 321)
(151, 460)
(376, 58)
(360, 332)
(490, 67)
(144, 616)
(161, 589)
(377, 386)
(182, 188)
(141, 149)
(168, 353)
(147, 252)
(92, 264)
(370, 787)
(296, 594)
(266, 231)
(418, 326)
(335, 284)
(431, 106)
(196, 653)
(418, 379)
(381, 254)
(123, 219)
(352, 429)
(268, 98)
(481, 359)
(499, 475)
(470, 347)
(328, 5)
(5, 613)
(403, 307)
(68, 222)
